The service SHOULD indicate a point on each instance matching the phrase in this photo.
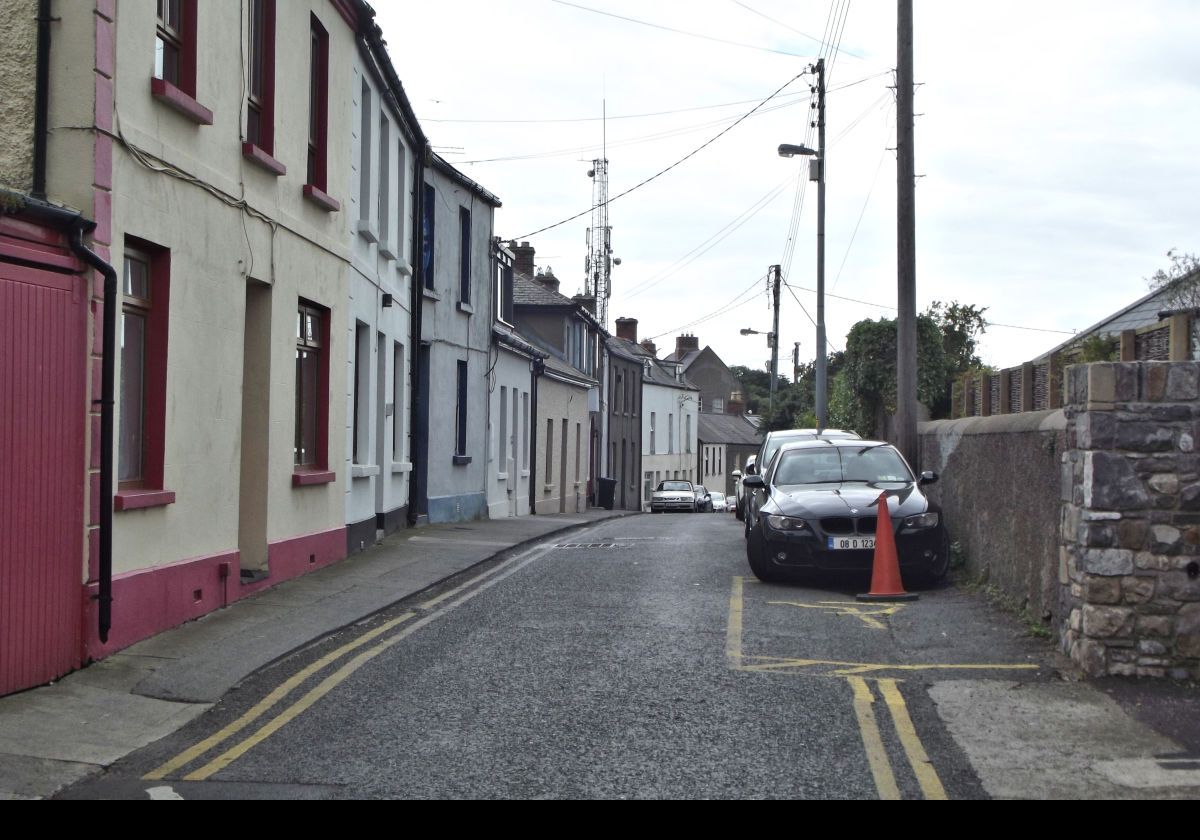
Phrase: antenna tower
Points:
(598, 263)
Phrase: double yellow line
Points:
(431, 609)
(877, 757)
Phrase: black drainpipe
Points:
(536, 369)
(107, 389)
(41, 108)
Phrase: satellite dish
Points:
(591, 173)
(616, 261)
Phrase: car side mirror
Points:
(928, 477)
(753, 481)
(751, 469)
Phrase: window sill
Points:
(404, 267)
(180, 102)
(466, 307)
(385, 251)
(524, 473)
(366, 231)
(307, 478)
(141, 499)
(319, 197)
(461, 460)
(363, 470)
(430, 294)
(262, 159)
(401, 466)
(502, 476)
(546, 488)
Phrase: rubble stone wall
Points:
(1129, 564)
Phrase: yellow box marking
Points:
(867, 615)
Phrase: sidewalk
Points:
(55, 735)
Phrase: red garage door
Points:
(43, 360)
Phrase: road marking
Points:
(922, 767)
(780, 664)
(510, 567)
(881, 767)
(733, 628)
(163, 792)
(261, 707)
(864, 614)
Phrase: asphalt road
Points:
(636, 659)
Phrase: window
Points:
(549, 451)
(360, 448)
(706, 471)
(525, 431)
(174, 82)
(460, 431)
(398, 402)
(385, 159)
(653, 418)
(578, 436)
(717, 406)
(464, 255)
(427, 234)
(318, 117)
(311, 449)
(670, 434)
(688, 434)
(398, 248)
(515, 433)
(142, 431)
(260, 101)
(364, 160)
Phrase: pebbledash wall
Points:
(1130, 559)
(1089, 516)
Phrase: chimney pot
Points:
(627, 329)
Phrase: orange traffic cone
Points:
(885, 571)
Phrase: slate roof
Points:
(656, 374)
(529, 292)
(727, 428)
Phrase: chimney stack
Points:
(650, 348)
(522, 258)
(588, 302)
(546, 278)
(686, 344)
(627, 329)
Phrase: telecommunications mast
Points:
(599, 261)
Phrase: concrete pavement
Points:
(57, 734)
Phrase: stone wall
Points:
(18, 52)
(998, 488)
(1129, 566)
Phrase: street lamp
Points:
(788, 150)
(774, 345)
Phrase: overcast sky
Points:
(1056, 147)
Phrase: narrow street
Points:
(634, 658)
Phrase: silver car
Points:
(673, 495)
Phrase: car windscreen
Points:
(675, 485)
(837, 464)
(777, 441)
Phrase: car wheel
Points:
(737, 511)
(756, 555)
(939, 568)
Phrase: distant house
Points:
(705, 370)
(725, 442)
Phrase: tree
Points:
(1181, 281)
(756, 387)
(960, 325)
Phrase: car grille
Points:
(846, 525)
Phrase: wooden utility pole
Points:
(774, 337)
(906, 246)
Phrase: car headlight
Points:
(922, 520)
(786, 523)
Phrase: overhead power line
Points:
(777, 22)
(667, 169)
(716, 313)
(681, 31)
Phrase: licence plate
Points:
(851, 543)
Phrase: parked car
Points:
(767, 451)
(703, 499)
(739, 493)
(673, 495)
(819, 512)
(718, 504)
